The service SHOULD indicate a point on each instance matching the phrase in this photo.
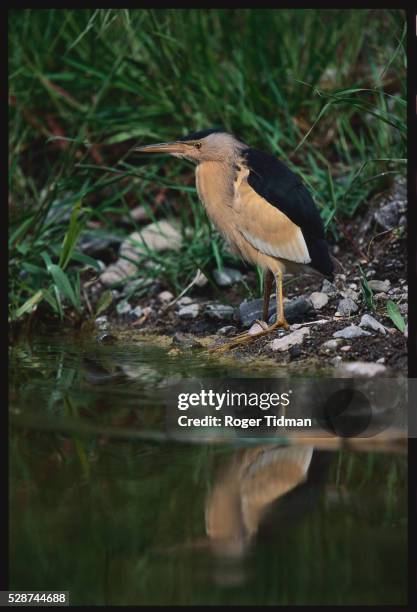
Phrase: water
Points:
(104, 505)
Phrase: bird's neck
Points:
(214, 182)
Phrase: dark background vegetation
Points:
(322, 89)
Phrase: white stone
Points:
(319, 299)
(189, 312)
(289, 340)
(350, 332)
(369, 322)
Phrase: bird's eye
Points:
(197, 145)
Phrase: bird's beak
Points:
(174, 148)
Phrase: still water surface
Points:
(104, 505)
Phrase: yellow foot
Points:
(248, 337)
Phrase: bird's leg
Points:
(268, 278)
(280, 320)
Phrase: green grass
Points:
(322, 89)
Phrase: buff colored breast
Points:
(260, 232)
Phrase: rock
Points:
(219, 311)
(139, 213)
(123, 308)
(361, 368)
(184, 301)
(350, 332)
(380, 360)
(319, 299)
(200, 279)
(137, 313)
(369, 322)
(329, 288)
(289, 340)
(189, 311)
(336, 360)
(117, 272)
(158, 236)
(226, 330)
(296, 311)
(294, 352)
(102, 323)
(165, 296)
(381, 296)
(94, 245)
(380, 286)
(330, 345)
(227, 277)
(350, 294)
(257, 327)
(346, 307)
(346, 348)
(185, 341)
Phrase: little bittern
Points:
(260, 207)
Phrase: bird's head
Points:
(207, 145)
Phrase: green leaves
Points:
(395, 315)
(367, 291)
(71, 237)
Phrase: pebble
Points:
(190, 311)
(227, 277)
(295, 352)
(362, 368)
(123, 308)
(165, 296)
(346, 348)
(200, 279)
(289, 340)
(184, 301)
(350, 332)
(219, 311)
(378, 285)
(102, 323)
(331, 345)
(137, 313)
(346, 307)
(226, 330)
(369, 322)
(257, 327)
(387, 216)
(329, 288)
(350, 293)
(319, 299)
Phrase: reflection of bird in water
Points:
(245, 491)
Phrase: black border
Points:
(412, 285)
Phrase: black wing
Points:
(277, 184)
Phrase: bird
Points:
(262, 209)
